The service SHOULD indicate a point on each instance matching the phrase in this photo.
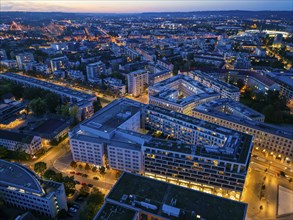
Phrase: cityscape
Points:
(146, 110)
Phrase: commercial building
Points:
(204, 156)
(17, 141)
(84, 101)
(274, 139)
(224, 89)
(22, 188)
(24, 58)
(180, 93)
(137, 82)
(95, 70)
(135, 197)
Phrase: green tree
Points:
(38, 106)
(97, 105)
(3, 152)
(69, 184)
(52, 100)
(87, 167)
(63, 110)
(40, 167)
(73, 164)
(84, 190)
(94, 169)
(94, 202)
(62, 214)
(52, 175)
(102, 170)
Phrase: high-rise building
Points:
(22, 188)
(137, 82)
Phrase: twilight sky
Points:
(132, 6)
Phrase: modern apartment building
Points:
(136, 197)
(180, 93)
(22, 188)
(16, 141)
(274, 139)
(137, 82)
(24, 58)
(205, 156)
(59, 63)
(95, 70)
(224, 89)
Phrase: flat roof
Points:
(111, 211)
(243, 109)
(16, 136)
(18, 176)
(265, 127)
(240, 154)
(140, 192)
(166, 89)
(113, 115)
(47, 86)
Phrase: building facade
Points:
(22, 188)
(137, 82)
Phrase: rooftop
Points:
(48, 86)
(180, 90)
(15, 136)
(253, 124)
(240, 152)
(113, 115)
(156, 197)
(111, 211)
(18, 176)
(235, 106)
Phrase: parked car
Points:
(77, 182)
(96, 178)
(72, 172)
(84, 175)
(72, 209)
(78, 173)
(76, 206)
(83, 184)
(90, 185)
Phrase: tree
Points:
(38, 106)
(63, 110)
(240, 83)
(62, 214)
(40, 167)
(3, 152)
(94, 202)
(52, 100)
(94, 169)
(80, 166)
(102, 170)
(97, 105)
(87, 167)
(84, 190)
(69, 184)
(73, 164)
(50, 174)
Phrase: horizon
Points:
(142, 6)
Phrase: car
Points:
(90, 185)
(72, 172)
(96, 178)
(77, 182)
(76, 206)
(78, 173)
(84, 175)
(83, 184)
(72, 209)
